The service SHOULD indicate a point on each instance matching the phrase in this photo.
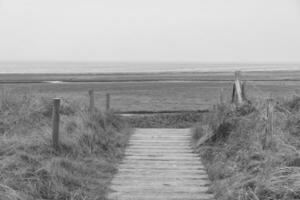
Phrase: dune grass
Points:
(91, 145)
(239, 165)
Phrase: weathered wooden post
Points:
(222, 96)
(244, 94)
(233, 93)
(270, 111)
(107, 102)
(214, 108)
(2, 97)
(92, 101)
(269, 125)
(55, 123)
(238, 89)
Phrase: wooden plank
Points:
(158, 188)
(153, 196)
(141, 150)
(159, 146)
(163, 175)
(157, 135)
(160, 166)
(166, 160)
(156, 183)
(162, 157)
(159, 142)
(183, 170)
(163, 167)
(167, 139)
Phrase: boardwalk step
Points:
(160, 164)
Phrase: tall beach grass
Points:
(90, 147)
(239, 164)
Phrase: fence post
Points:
(92, 101)
(214, 108)
(244, 94)
(269, 125)
(233, 94)
(238, 90)
(107, 102)
(55, 123)
(222, 96)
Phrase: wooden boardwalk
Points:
(160, 165)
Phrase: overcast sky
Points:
(150, 30)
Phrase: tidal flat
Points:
(154, 91)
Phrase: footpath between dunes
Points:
(160, 164)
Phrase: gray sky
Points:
(150, 30)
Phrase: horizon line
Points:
(149, 62)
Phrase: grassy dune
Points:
(239, 164)
(91, 146)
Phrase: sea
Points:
(107, 68)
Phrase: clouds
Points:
(140, 30)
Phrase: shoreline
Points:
(137, 81)
(58, 78)
(155, 72)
